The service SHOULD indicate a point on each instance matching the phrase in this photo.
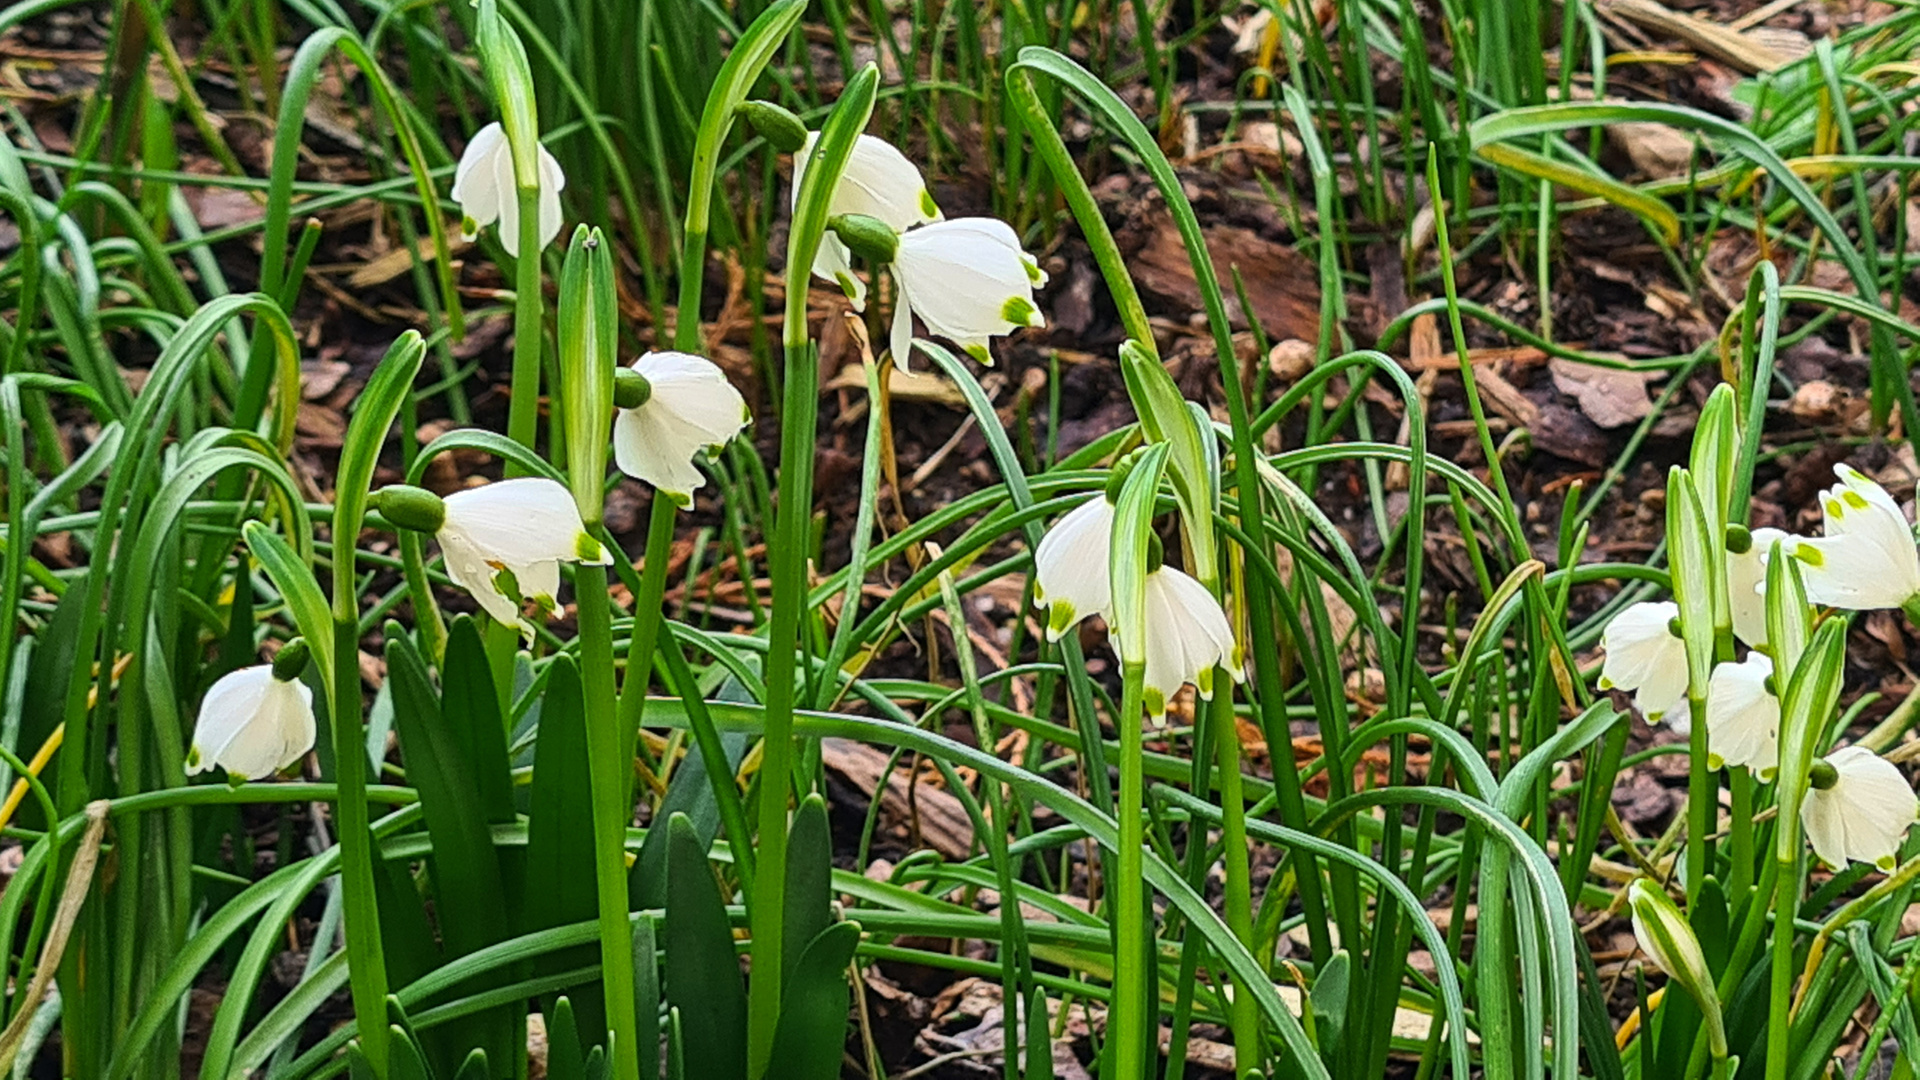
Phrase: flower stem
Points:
(646, 621)
(1127, 1023)
(523, 401)
(612, 811)
(366, 959)
(1244, 1015)
(1701, 795)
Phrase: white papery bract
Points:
(1071, 576)
(1867, 559)
(1746, 581)
(252, 724)
(968, 280)
(691, 409)
(1187, 636)
(1864, 816)
(1743, 717)
(525, 527)
(483, 185)
(879, 182)
(1645, 656)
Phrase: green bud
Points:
(1668, 939)
(291, 660)
(587, 331)
(1821, 775)
(630, 388)
(868, 237)
(410, 507)
(780, 128)
(1739, 539)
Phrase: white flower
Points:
(526, 527)
(968, 281)
(1867, 558)
(1864, 815)
(1645, 656)
(879, 182)
(690, 408)
(1187, 636)
(1746, 585)
(1071, 575)
(1743, 716)
(252, 724)
(483, 185)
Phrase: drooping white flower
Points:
(879, 182)
(1864, 814)
(483, 185)
(1743, 716)
(968, 280)
(1187, 636)
(1746, 585)
(525, 527)
(1071, 575)
(690, 407)
(1645, 656)
(1867, 559)
(252, 724)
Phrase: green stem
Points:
(1128, 1024)
(646, 621)
(366, 959)
(612, 813)
(523, 401)
(1702, 796)
(1244, 1016)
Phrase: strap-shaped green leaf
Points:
(560, 835)
(703, 976)
(809, 873)
(812, 1034)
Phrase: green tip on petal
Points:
(587, 549)
(1606, 683)
(1033, 269)
(1204, 681)
(1059, 617)
(927, 206)
(1019, 311)
(1855, 500)
(193, 758)
(1155, 701)
(1715, 762)
(1810, 555)
(1834, 509)
(469, 228)
(979, 352)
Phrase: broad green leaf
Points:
(559, 860)
(809, 874)
(1330, 988)
(473, 716)
(812, 1034)
(703, 975)
(1039, 1055)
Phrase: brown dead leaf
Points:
(1609, 396)
(1658, 150)
(1282, 284)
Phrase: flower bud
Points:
(291, 660)
(780, 128)
(866, 236)
(410, 507)
(1669, 941)
(630, 389)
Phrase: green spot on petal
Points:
(587, 549)
(1019, 311)
(1885, 864)
(1715, 762)
(847, 284)
(1855, 499)
(1810, 555)
(1032, 266)
(979, 352)
(928, 208)
(1155, 701)
(1204, 682)
(1834, 509)
(1059, 617)
(193, 758)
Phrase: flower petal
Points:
(252, 724)
(475, 180)
(1187, 636)
(1865, 815)
(968, 280)
(1746, 586)
(1644, 655)
(1070, 566)
(1743, 718)
(692, 407)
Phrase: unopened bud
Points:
(291, 660)
(868, 237)
(780, 128)
(1669, 941)
(410, 507)
(630, 389)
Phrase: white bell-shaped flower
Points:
(690, 408)
(968, 280)
(1743, 716)
(1645, 656)
(1746, 585)
(523, 528)
(1071, 575)
(1867, 559)
(252, 724)
(483, 185)
(879, 182)
(1187, 637)
(1863, 814)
